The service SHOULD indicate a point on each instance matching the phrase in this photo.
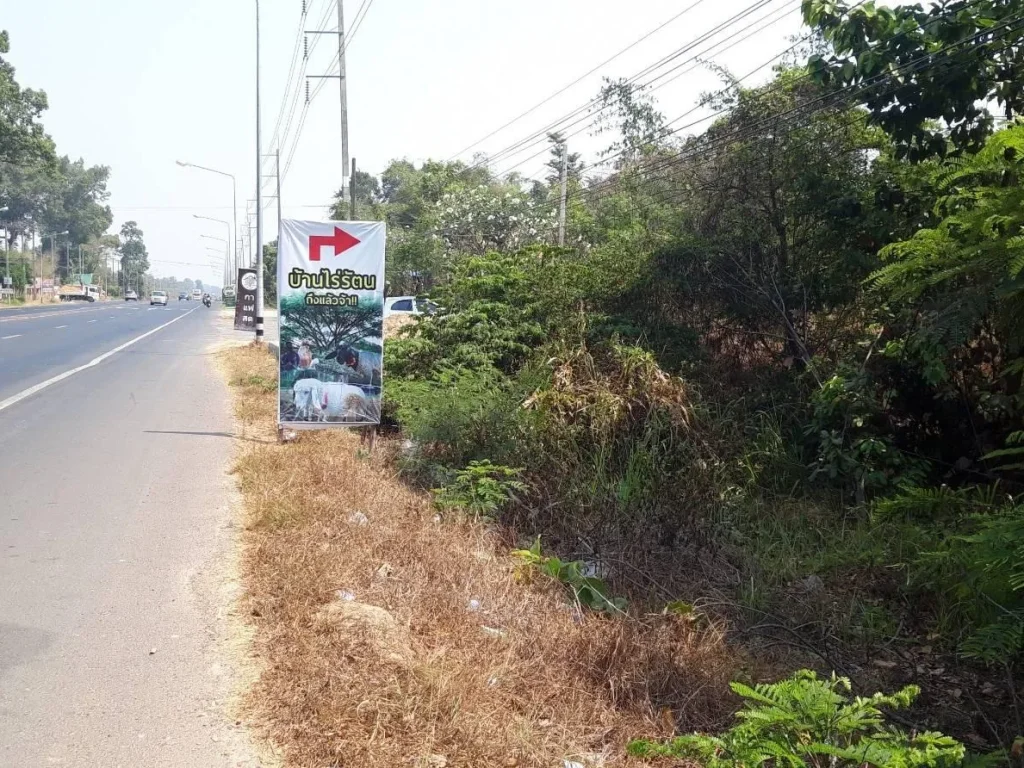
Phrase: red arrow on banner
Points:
(341, 240)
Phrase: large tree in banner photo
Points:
(325, 327)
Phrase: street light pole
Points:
(234, 194)
(259, 190)
(228, 272)
(7, 255)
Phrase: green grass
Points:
(256, 381)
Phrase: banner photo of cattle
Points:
(330, 278)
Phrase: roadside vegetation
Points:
(394, 632)
(758, 420)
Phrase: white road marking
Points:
(15, 399)
(92, 321)
(41, 315)
(5, 338)
(61, 326)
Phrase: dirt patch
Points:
(393, 637)
(395, 323)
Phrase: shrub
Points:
(807, 722)
(460, 416)
(481, 489)
(853, 446)
(590, 591)
(488, 319)
(619, 444)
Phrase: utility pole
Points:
(259, 189)
(343, 87)
(352, 193)
(79, 262)
(343, 81)
(277, 160)
(565, 184)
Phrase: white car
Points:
(158, 297)
(408, 305)
(131, 296)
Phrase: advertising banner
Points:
(330, 301)
(245, 308)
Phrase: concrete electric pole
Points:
(343, 80)
(259, 190)
(565, 184)
(343, 90)
(352, 193)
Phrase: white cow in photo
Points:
(331, 401)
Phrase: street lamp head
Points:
(183, 165)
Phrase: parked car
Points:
(158, 297)
(131, 296)
(408, 305)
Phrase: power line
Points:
(357, 22)
(540, 137)
(360, 16)
(579, 79)
(584, 109)
(288, 79)
(282, 137)
(856, 90)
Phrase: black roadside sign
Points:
(245, 305)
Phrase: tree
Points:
(22, 139)
(77, 205)
(326, 327)
(27, 192)
(367, 190)
(962, 276)
(491, 218)
(777, 226)
(270, 273)
(626, 110)
(574, 165)
(409, 201)
(913, 68)
(134, 256)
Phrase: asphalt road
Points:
(116, 540)
(39, 342)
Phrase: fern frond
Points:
(997, 642)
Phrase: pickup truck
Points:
(79, 293)
(408, 305)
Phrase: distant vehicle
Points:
(181, 296)
(79, 293)
(408, 305)
(131, 296)
(158, 297)
(197, 294)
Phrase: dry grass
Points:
(524, 680)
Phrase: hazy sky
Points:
(136, 85)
